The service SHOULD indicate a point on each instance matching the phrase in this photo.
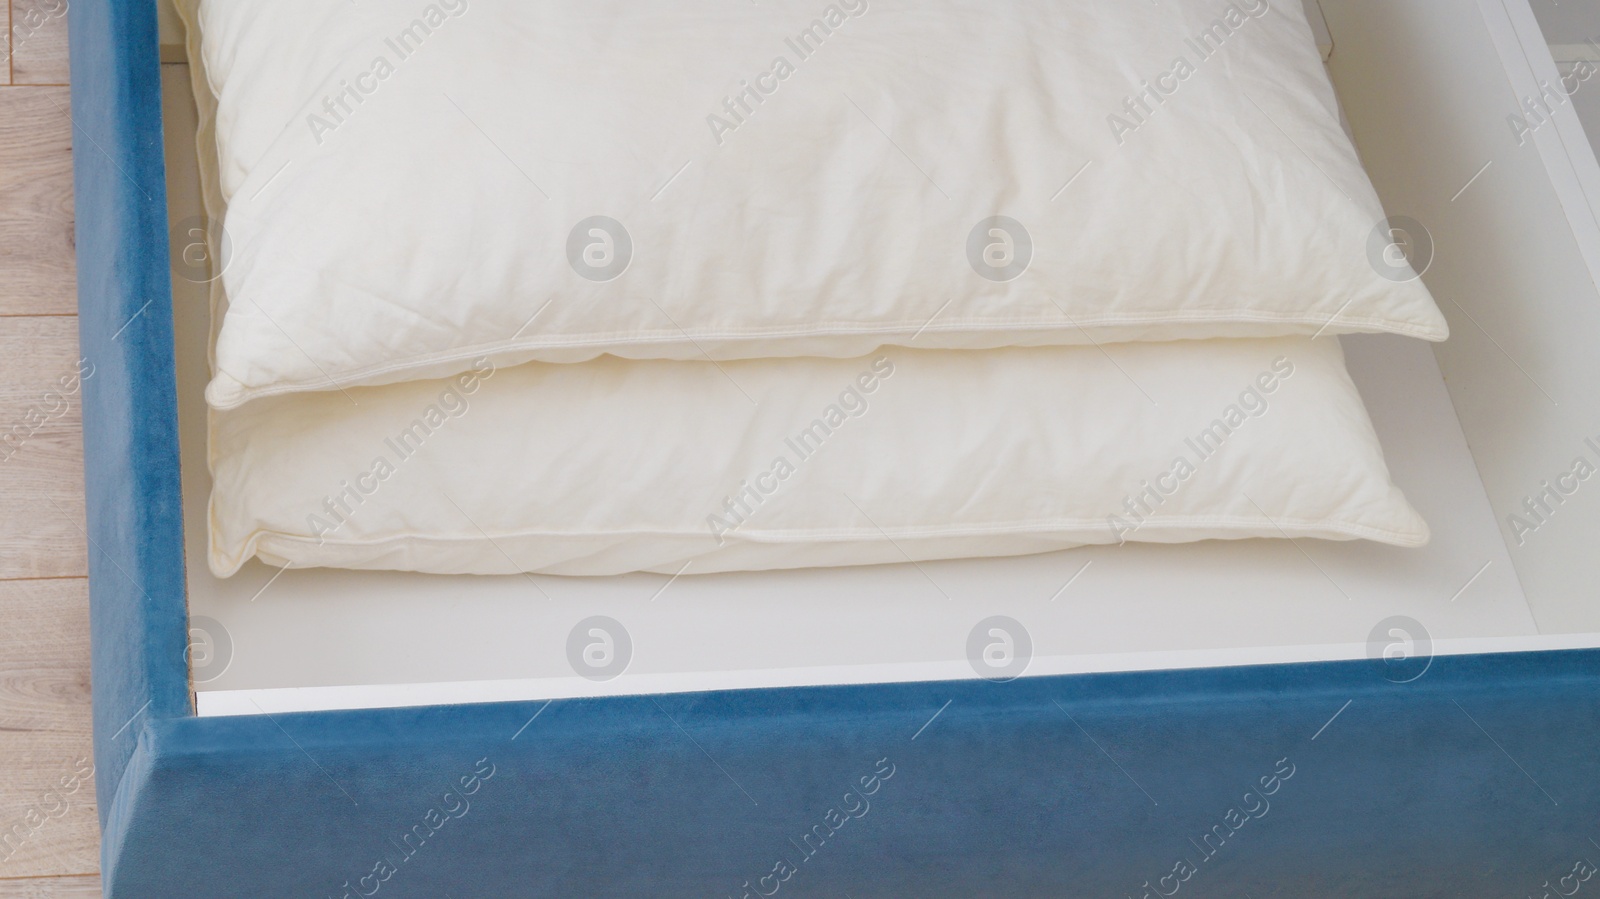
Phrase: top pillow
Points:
(412, 187)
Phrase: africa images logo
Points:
(341, 105)
(740, 106)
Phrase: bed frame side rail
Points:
(130, 418)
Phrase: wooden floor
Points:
(49, 836)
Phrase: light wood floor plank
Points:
(44, 491)
(51, 888)
(39, 38)
(49, 836)
(48, 822)
(41, 449)
(44, 675)
(37, 269)
(32, 347)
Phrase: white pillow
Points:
(613, 466)
(411, 186)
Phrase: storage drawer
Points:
(1283, 718)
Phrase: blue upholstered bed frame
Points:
(1477, 779)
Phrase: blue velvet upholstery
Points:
(1002, 794)
(1477, 779)
(130, 407)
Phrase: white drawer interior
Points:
(1467, 436)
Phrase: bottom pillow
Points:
(614, 466)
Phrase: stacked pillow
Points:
(688, 285)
